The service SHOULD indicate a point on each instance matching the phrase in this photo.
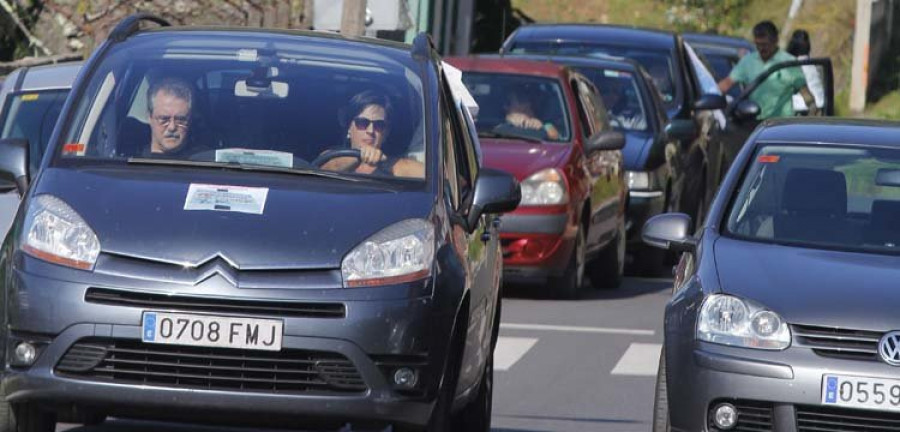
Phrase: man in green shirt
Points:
(774, 95)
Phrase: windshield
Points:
(620, 95)
(519, 106)
(260, 100)
(32, 116)
(836, 197)
(658, 63)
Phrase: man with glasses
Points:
(169, 105)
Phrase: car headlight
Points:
(546, 187)
(54, 232)
(402, 252)
(729, 320)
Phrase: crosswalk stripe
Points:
(576, 329)
(509, 350)
(640, 359)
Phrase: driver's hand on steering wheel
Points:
(371, 155)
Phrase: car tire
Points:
(661, 400)
(476, 415)
(569, 284)
(25, 417)
(609, 268)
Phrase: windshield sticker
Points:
(768, 159)
(256, 157)
(30, 97)
(73, 149)
(613, 74)
(226, 198)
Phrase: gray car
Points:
(783, 315)
(30, 102)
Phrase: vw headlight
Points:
(54, 232)
(546, 187)
(402, 252)
(729, 320)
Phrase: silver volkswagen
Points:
(784, 315)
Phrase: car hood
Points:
(307, 222)
(637, 147)
(522, 158)
(813, 287)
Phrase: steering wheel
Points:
(334, 154)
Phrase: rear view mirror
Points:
(14, 163)
(606, 140)
(747, 110)
(495, 192)
(669, 231)
(681, 130)
(888, 177)
(710, 102)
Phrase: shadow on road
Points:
(570, 419)
(630, 288)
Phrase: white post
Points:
(859, 77)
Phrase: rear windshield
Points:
(257, 101)
(621, 96)
(519, 105)
(658, 63)
(832, 197)
(32, 116)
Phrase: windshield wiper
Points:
(249, 167)
(509, 135)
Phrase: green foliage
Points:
(719, 16)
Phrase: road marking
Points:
(509, 350)
(640, 359)
(574, 329)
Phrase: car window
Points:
(658, 63)
(594, 107)
(32, 115)
(466, 164)
(621, 97)
(706, 82)
(275, 103)
(587, 123)
(835, 197)
(499, 94)
(448, 147)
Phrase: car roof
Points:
(47, 77)
(718, 40)
(831, 131)
(316, 34)
(613, 34)
(601, 61)
(508, 65)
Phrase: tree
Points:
(717, 16)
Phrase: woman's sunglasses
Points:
(362, 123)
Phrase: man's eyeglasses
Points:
(180, 121)
(363, 123)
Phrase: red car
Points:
(546, 124)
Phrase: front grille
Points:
(837, 342)
(752, 416)
(286, 371)
(829, 419)
(204, 304)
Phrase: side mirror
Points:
(746, 110)
(14, 163)
(681, 130)
(495, 192)
(709, 102)
(669, 231)
(606, 140)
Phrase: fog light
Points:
(406, 378)
(725, 416)
(25, 353)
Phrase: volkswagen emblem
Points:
(889, 348)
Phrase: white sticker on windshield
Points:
(256, 157)
(226, 198)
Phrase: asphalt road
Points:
(587, 365)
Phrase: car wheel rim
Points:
(621, 250)
(579, 260)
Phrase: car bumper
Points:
(536, 247)
(772, 391)
(371, 341)
(641, 207)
